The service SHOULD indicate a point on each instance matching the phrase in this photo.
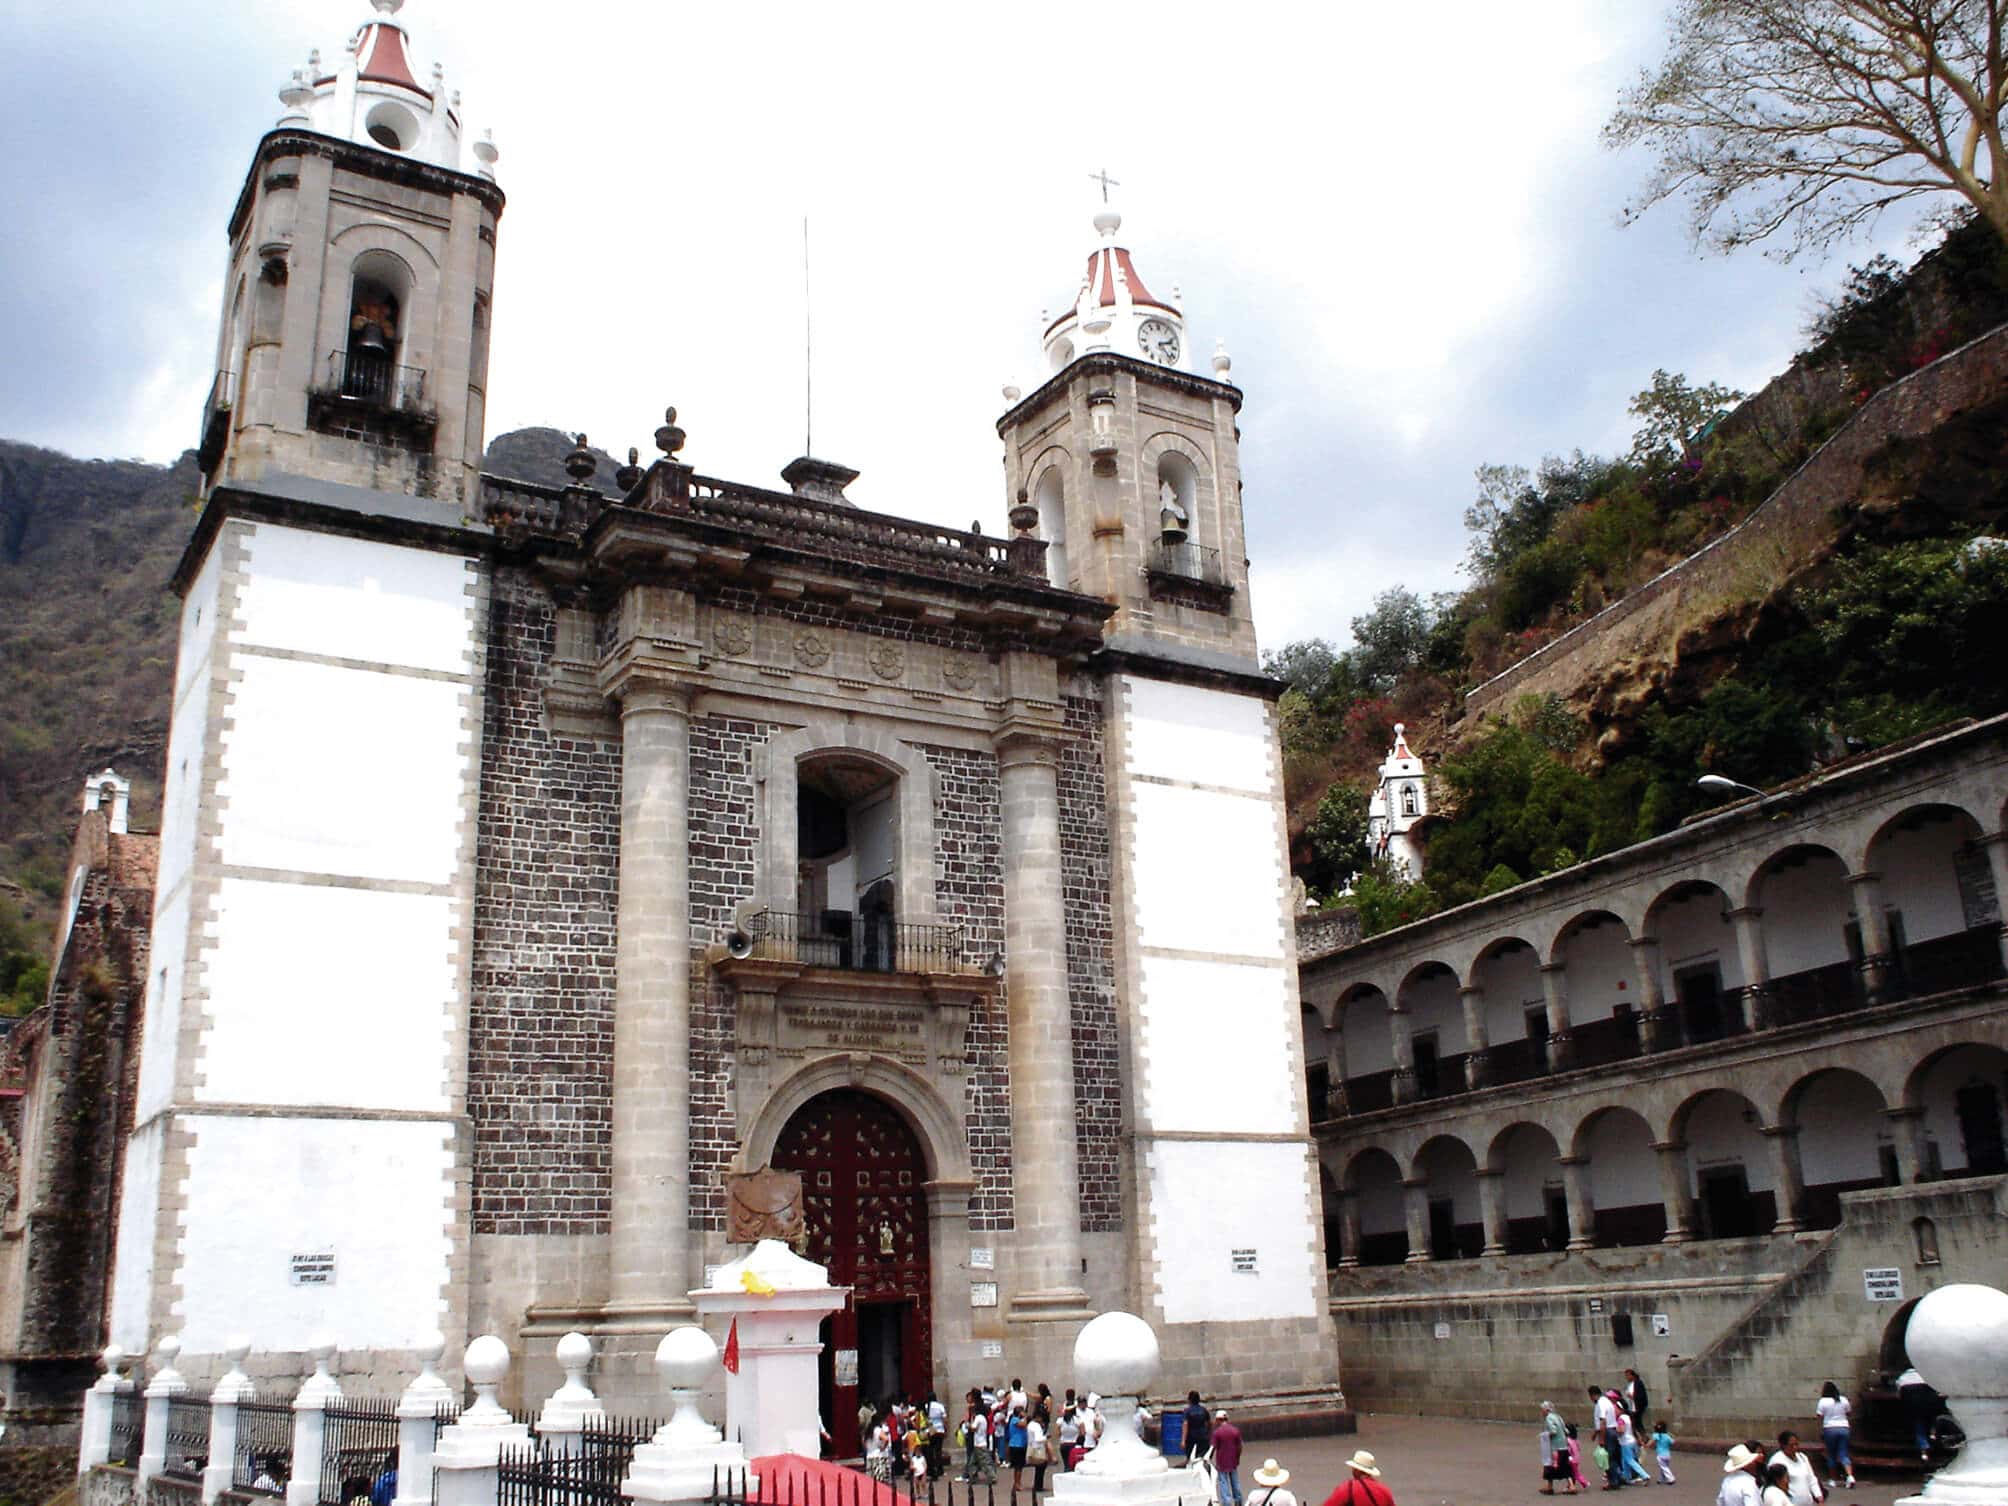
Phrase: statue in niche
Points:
(885, 1238)
(765, 1204)
(1171, 514)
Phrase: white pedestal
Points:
(1958, 1339)
(1123, 1470)
(687, 1459)
(771, 1405)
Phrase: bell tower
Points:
(354, 340)
(1128, 464)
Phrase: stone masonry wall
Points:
(1790, 530)
(724, 865)
(1091, 984)
(969, 890)
(540, 1045)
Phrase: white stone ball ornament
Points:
(1958, 1340)
(1117, 1355)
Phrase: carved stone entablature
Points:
(789, 1011)
(574, 704)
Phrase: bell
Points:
(372, 339)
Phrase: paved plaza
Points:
(1437, 1461)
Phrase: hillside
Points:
(87, 631)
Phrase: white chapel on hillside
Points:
(1399, 805)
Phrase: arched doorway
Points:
(862, 1191)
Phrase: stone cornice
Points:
(1108, 363)
(291, 141)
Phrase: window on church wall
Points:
(847, 850)
(1050, 497)
(1177, 497)
(1410, 806)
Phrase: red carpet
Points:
(791, 1480)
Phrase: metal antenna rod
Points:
(808, 353)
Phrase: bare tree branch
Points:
(1809, 118)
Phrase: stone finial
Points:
(423, 1396)
(1957, 1337)
(485, 153)
(580, 464)
(1012, 392)
(686, 1359)
(321, 1387)
(1023, 515)
(487, 1366)
(573, 1402)
(628, 477)
(166, 1379)
(1117, 1355)
(235, 1385)
(669, 438)
(111, 1358)
(1222, 361)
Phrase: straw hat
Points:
(1272, 1474)
(1739, 1458)
(1363, 1463)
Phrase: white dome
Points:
(1116, 1354)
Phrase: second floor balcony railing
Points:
(1186, 560)
(373, 380)
(853, 942)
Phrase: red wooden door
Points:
(862, 1171)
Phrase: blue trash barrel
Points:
(1171, 1433)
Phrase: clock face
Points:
(1158, 340)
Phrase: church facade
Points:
(535, 857)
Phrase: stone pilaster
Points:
(1657, 1031)
(1791, 1189)
(1477, 1042)
(1555, 994)
(651, 1113)
(1675, 1191)
(1756, 967)
(1401, 1040)
(1582, 1210)
(1872, 919)
(1415, 1201)
(1047, 1272)
(1492, 1204)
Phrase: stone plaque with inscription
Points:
(898, 1031)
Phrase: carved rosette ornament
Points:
(812, 648)
(886, 660)
(733, 638)
(959, 672)
(763, 1204)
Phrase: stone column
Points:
(94, 1446)
(1416, 1200)
(1349, 1228)
(650, 1237)
(1656, 1030)
(1477, 1042)
(1403, 1042)
(1335, 1074)
(417, 1411)
(1878, 966)
(235, 1387)
(1582, 1212)
(1997, 864)
(1492, 1203)
(310, 1425)
(468, 1459)
(1907, 1133)
(1555, 993)
(1675, 1191)
(1791, 1191)
(1047, 1266)
(166, 1385)
(1756, 1007)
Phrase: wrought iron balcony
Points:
(1184, 560)
(854, 943)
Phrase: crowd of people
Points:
(1001, 1428)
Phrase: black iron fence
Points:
(1186, 560)
(374, 380)
(187, 1449)
(263, 1461)
(546, 1474)
(128, 1428)
(855, 942)
(358, 1443)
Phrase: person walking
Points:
(1606, 1433)
(1920, 1405)
(1576, 1460)
(1662, 1450)
(1016, 1441)
(976, 1461)
(1198, 1426)
(1226, 1441)
(1775, 1492)
(1632, 1442)
(1802, 1483)
(1555, 1451)
(1038, 1447)
(1635, 1399)
(1836, 1436)
(1269, 1482)
(1739, 1477)
(1362, 1486)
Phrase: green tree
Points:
(1811, 117)
(1337, 837)
(1675, 416)
(1390, 640)
(1305, 665)
(1386, 900)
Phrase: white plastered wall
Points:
(132, 1267)
(1597, 973)
(1919, 877)
(1806, 914)
(1216, 1023)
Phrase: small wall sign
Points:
(982, 1259)
(993, 1349)
(1443, 1330)
(1883, 1283)
(1243, 1262)
(314, 1269)
(1596, 1304)
(846, 1367)
(1661, 1326)
(982, 1294)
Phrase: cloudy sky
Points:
(1399, 218)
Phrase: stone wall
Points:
(1091, 981)
(1792, 529)
(969, 891)
(541, 1029)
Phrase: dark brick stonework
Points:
(1091, 983)
(540, 1046)
(969, 890)
(724, 857)
(879, 624)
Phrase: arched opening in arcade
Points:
(1942, 919)
(1536, 1201)
(1844, 1140)
(865, 1206)
(1734, 1183)
(1963, 1093)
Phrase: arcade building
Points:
(533, 857)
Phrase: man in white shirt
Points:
(1802, 1484)
(1605, 1422)
(1739, 1478)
